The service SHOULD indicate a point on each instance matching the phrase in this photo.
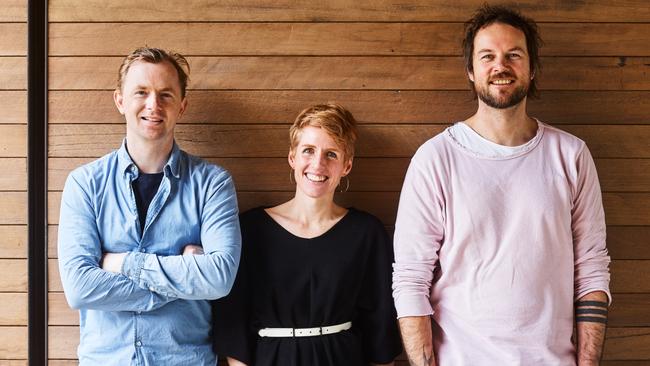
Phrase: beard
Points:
(504, 102)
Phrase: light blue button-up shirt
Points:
(156, 312)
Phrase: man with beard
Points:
(500, 233)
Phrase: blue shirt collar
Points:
(172, 167)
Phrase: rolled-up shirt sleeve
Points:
(419, 231)
(197, 277)
(591, 264)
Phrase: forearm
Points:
(591, 323)
(416, 336)
(234, 362)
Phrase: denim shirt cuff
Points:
(132, 265)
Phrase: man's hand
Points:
(112, 262)
(193, 249)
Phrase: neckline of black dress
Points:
(324, 234)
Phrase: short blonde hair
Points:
(155, 56)
(337, 121)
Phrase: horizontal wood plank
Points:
(362, 10)
(628, 242)
(368, 174)
(14, 107)
(14, 73)
(395, 107)
(58, 311)
(14, 174)
(630, 276)
(271, 140)
(13, 140)
(13, 208)
(623, 242)
(13, 39)
(62, 342)
(13, 343)
(320, 39)
(13, 11)
(13, 309)
(14, 241)
(620, 208)
(403, 73)
(627, 310)
(627, 344)
(13, 275)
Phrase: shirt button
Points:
(138, 344)
(138, 312)
(151, 288)
(143, 250)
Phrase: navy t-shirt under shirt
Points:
(144, 188)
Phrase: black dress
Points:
(285, 281)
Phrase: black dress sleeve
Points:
(232, 333)
(376, 311)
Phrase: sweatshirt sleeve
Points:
(419, 231)
(588, 228)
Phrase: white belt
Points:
(304, 332)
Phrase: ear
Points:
(470, 75)
(290, 158)
(348, 167)
(532, 75)
(119, 100)
(183, 107)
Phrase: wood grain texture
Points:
(13, 273)
(627, 208)
(13, 39)
(13, 11)
(363, 10)
(390, 107)
(14, 107)
(403, 73)
(14, 73)
(13, 140)
(59, 313)
(628, 242)
(627, 344)
(320, 39)
(62, 342)
(13, 343)
(14, 174)
(271, 140)
(13, 208)
(630, 276)
(13, 309)
(624, 175)
(14, 241)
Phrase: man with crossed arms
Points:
(127, 217)
(500, 232)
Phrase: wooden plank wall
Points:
(13, 182)
(396, 65)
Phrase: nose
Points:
(153, 101)
(319, 160)
(500, 63)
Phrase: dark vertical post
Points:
(37, 179)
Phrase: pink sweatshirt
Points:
(498, 249)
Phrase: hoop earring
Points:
(347, 184)
(291, 180)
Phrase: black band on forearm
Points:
(601, 304)
(591, 311)
(591, 319)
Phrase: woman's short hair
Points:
(337, 121)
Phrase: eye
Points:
(487, 57)
(167, 95)
(514, 56)
(308, 150)
(140, 92)
(332, 155)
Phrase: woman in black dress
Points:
(314, 282)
